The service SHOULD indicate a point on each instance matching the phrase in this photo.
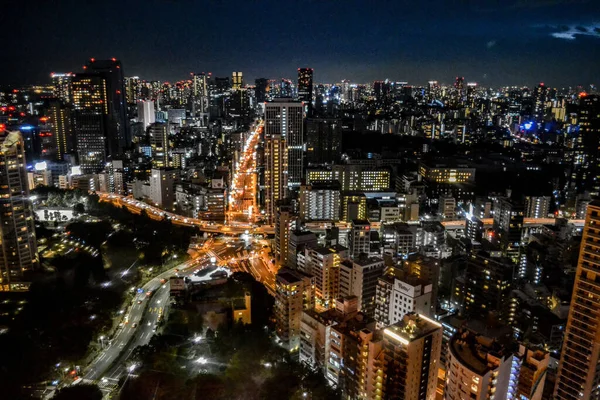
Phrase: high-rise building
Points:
(18, 245)
(146, 113)
(294, 293)
(261, 89)
(305, 85)
(320, 201)
(359, 238)
(284, 120)
(398, 293)
(578, 375)
(407, 368)
(537, 206)
(299, 240)
(585, 172)
(159, 142)
(283, 221)
(508, 223)
(237, 80)
(478, 368)
(323, 140)
(162, 187)
(62, 133)
(61, 86)
(90, 121)
(276, 165)
(118, 123)
(488, 284)
(323, 263)
(133, 89)
(359, 278)
(353, 177)
(540, 96)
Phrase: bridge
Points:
(527, 223)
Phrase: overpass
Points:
(527, 223)
(135, 207)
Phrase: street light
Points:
(202, 361)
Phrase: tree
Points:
(79, 392)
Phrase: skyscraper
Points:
(261, 89)
(237, 80)
(159, 142)
(90, 120)
(323, 140)
(18, 244)
(61, 83)
(146, 113)
(284, 119)
(585, 172)
(276, 163)
(118, 124)
(359, 238)
(305, 86)
(60, 119)
(578, 374)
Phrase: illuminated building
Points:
(162, 187)
(133, 89)
(261, 89)
(578, 376)
(305, 86)
(60, 119)
(354, 206)
(585, 171)
(537, 206)
(397, 293)
(146, 113)
(159, 142)
(276, 163)
(447, 207)
(320, 201)
(353, 177)
(508, 223)
(284, 119)
(18, 245)
(404, 363)
(294, 293)
(61, 83)
(237, 80)
(445, 173)
(540, 96)
(359, 278)
(299, 240)
(323, 140)
(200, 98)
(478, 368)
(283, 220)
(118, 124)
(90, 118)
(323, 263)
(359, 238)
(533, 368)
(488, 284)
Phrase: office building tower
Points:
(237, 80)
(320, 201)
(284, 119)
(146, 113)
(283, 219)
(294, 293)
(133, 89)
(159, 142)
(459, 87)
(261, 89)
(399, 293)
(61, 86)
(407, 368)
(447, 207)
(585, 171)
(323, 263)
(359, 278)
(478, 368)
(90, 122)
(353, 177)
(488, 280)
(276, 164)
(323, 140)
(62, 133)
(508, 223)
(162, 187)
(305, 86)
(18, 245)
(118, 123)
(474, 228)
(540, 96)
(354, 206)
(299, 241)
(537, 206)
(200, 98)
(578, 375)
(359, 238)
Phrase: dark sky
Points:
(493, 42)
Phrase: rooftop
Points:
(475, 352)
(413, 326)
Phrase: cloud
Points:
(490, 44)
(571, 32)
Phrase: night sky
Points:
(493, 42)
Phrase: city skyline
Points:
(493, 44)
